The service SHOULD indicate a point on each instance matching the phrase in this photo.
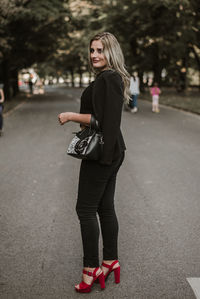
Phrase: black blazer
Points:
(108, 98)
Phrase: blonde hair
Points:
(114, 57)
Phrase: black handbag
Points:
(87, 144)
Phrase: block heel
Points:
(113, 268)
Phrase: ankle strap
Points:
(110, 266)
(90, 273)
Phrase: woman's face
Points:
(97, 56)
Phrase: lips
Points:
(95, 61)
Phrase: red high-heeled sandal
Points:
(111, 268)
(86, 288)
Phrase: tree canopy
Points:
(155, 35)
(30, 32)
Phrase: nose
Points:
(94, 54)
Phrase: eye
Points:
(91, 50)
(100, 51)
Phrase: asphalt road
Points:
(157, 201)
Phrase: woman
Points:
(134, 90)
(103, 98)
(1, 110)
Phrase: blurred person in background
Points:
(134, 90)
(155, 93)
(1, 110)
(103, 99)
(39, 87)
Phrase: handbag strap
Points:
(94, 119)
(94, 124)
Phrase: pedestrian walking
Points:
(1, 110)
(155, 92)
(97, 179)
(30, 83)
(134, 90)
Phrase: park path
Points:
(157, 201)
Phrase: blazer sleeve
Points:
(111, 88)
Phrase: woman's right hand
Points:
(64, 117)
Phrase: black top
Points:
(104, 99)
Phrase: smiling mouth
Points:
(95, 61)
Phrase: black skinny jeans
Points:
(96, 195)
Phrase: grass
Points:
(188, 101)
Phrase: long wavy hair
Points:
(114, 57)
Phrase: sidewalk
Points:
(188, 101)
(15, 101)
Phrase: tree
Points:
(154, 34)
(30, 34)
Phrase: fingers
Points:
(60, 119)
(63, 117)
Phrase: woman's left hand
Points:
(64, 117)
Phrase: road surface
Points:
(157, 202)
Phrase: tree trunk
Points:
(140, 75)
(6, 79)
(80, 78)
(157, 70)
(72, 76)
(15, 85)
(183, 74)
(157, 74)
(157, 66)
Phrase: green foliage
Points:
(32, 30)
(30, 33)
(154, 34)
